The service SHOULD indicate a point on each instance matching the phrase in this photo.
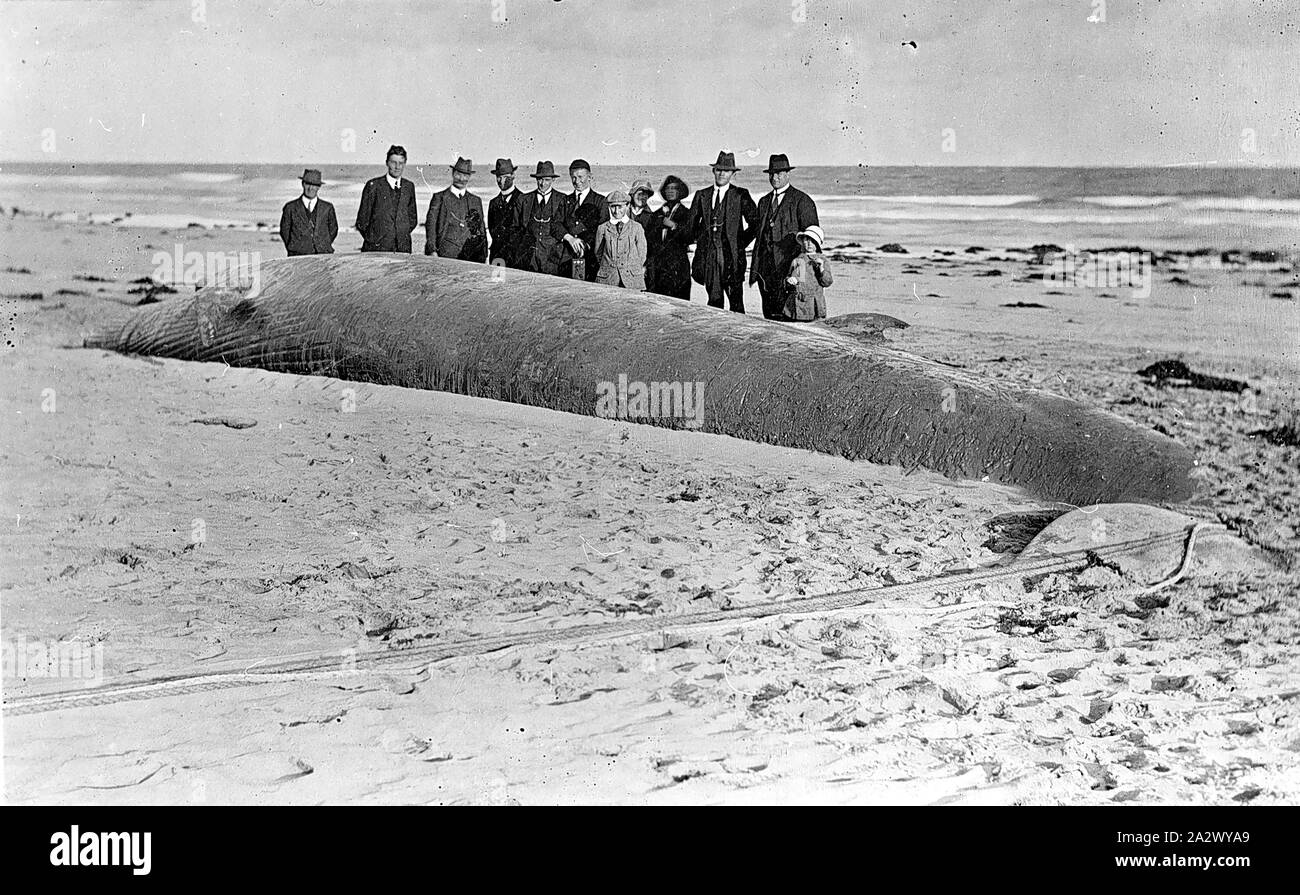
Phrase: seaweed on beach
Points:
(1012, 532)
(1285, 435)
(1178, 373)
(149, 290)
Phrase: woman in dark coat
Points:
(667, 239)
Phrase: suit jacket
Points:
(530, 230)
(737, 208)
(503, 228)
(621, 255)
(586, 220)
(308, 234)
(777, 245)
(385, 221)
(451, 235)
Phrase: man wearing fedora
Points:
(544, 227)
(454, 227)
(783, 214)
(723, 222)
(587, 211)
(388, 212)
(308, 225)
(501, 216)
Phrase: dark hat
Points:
(505, 166)
(579, 163)
(463, 165)
(395, 150)
(778, 163)
(545, 169)
(681, 186)
(726, 162)
(312, 176)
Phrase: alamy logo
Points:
(77, 849)
(243, 269)
(1104, 270)
(24, 659)
(637, 400)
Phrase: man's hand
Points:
(793, 281)
(575, 243)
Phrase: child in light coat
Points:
(809, 273)
(620, 246)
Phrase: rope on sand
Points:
(412, 659)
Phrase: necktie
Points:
(777, 204)
(717, 198)
(620, 228)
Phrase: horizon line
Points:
(1215, 165)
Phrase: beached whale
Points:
(583, 348)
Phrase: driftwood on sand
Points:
(531, 339)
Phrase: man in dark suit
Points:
(723, 222)
(454, 227)
(308, 225)
(501, 216)
(546, 239)
(388, 212)
(587, 211)
(782, 215)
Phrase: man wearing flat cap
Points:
(587, 211)
(308, 225)
(723, 223)
(454, 226)
(545, 230)
(388, 212)
(783, 214)
(501, 216)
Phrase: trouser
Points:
(718, 280)
(545, 256)
(733, 289)
(772, 299)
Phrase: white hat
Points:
(815, 234)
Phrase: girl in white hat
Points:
(810, 272)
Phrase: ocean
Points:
(1159, 209)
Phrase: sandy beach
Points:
(189, 516)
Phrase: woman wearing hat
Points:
(640, 194)
(668, 271)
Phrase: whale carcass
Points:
(584, 348)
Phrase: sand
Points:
(147, 516)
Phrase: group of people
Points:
(613, 239)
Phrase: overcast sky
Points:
(654, 81)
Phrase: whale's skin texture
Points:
(509, 335)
